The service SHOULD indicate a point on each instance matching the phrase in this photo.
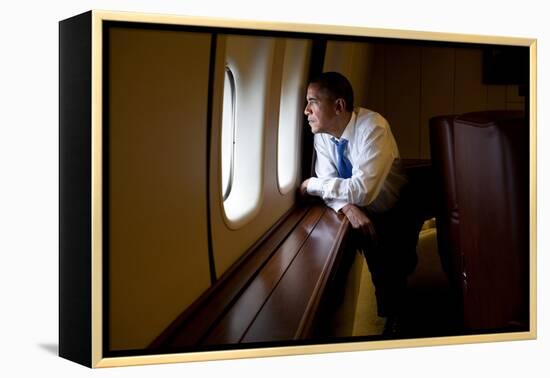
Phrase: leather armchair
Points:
(481, 168)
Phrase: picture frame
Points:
(84, 325)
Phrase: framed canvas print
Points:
(234, 189)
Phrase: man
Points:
(359, 174)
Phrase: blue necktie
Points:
(343, 164)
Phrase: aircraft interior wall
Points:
(157, 90)
(256, 201)
(156, 136)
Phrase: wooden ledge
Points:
(274, 292)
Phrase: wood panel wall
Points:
(409, 84)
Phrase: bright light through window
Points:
(228, 132)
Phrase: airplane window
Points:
(228, 132)
(244, 119)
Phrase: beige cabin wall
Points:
(157, 249)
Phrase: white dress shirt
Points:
(377, 176)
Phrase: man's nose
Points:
(306, 110)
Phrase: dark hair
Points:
(337, 86)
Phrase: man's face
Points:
(320, 110)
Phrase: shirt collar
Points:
(348, 131)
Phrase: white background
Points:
(29, 186)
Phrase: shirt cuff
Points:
(315, 187)
(336, 205)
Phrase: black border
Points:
(75, 195)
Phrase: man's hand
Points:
(303, 188)
(359, 220)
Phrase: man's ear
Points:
(340, 105)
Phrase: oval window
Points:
(228, 132)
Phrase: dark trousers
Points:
(391, 257)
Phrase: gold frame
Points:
(97, 150)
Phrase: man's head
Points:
(329, 103)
